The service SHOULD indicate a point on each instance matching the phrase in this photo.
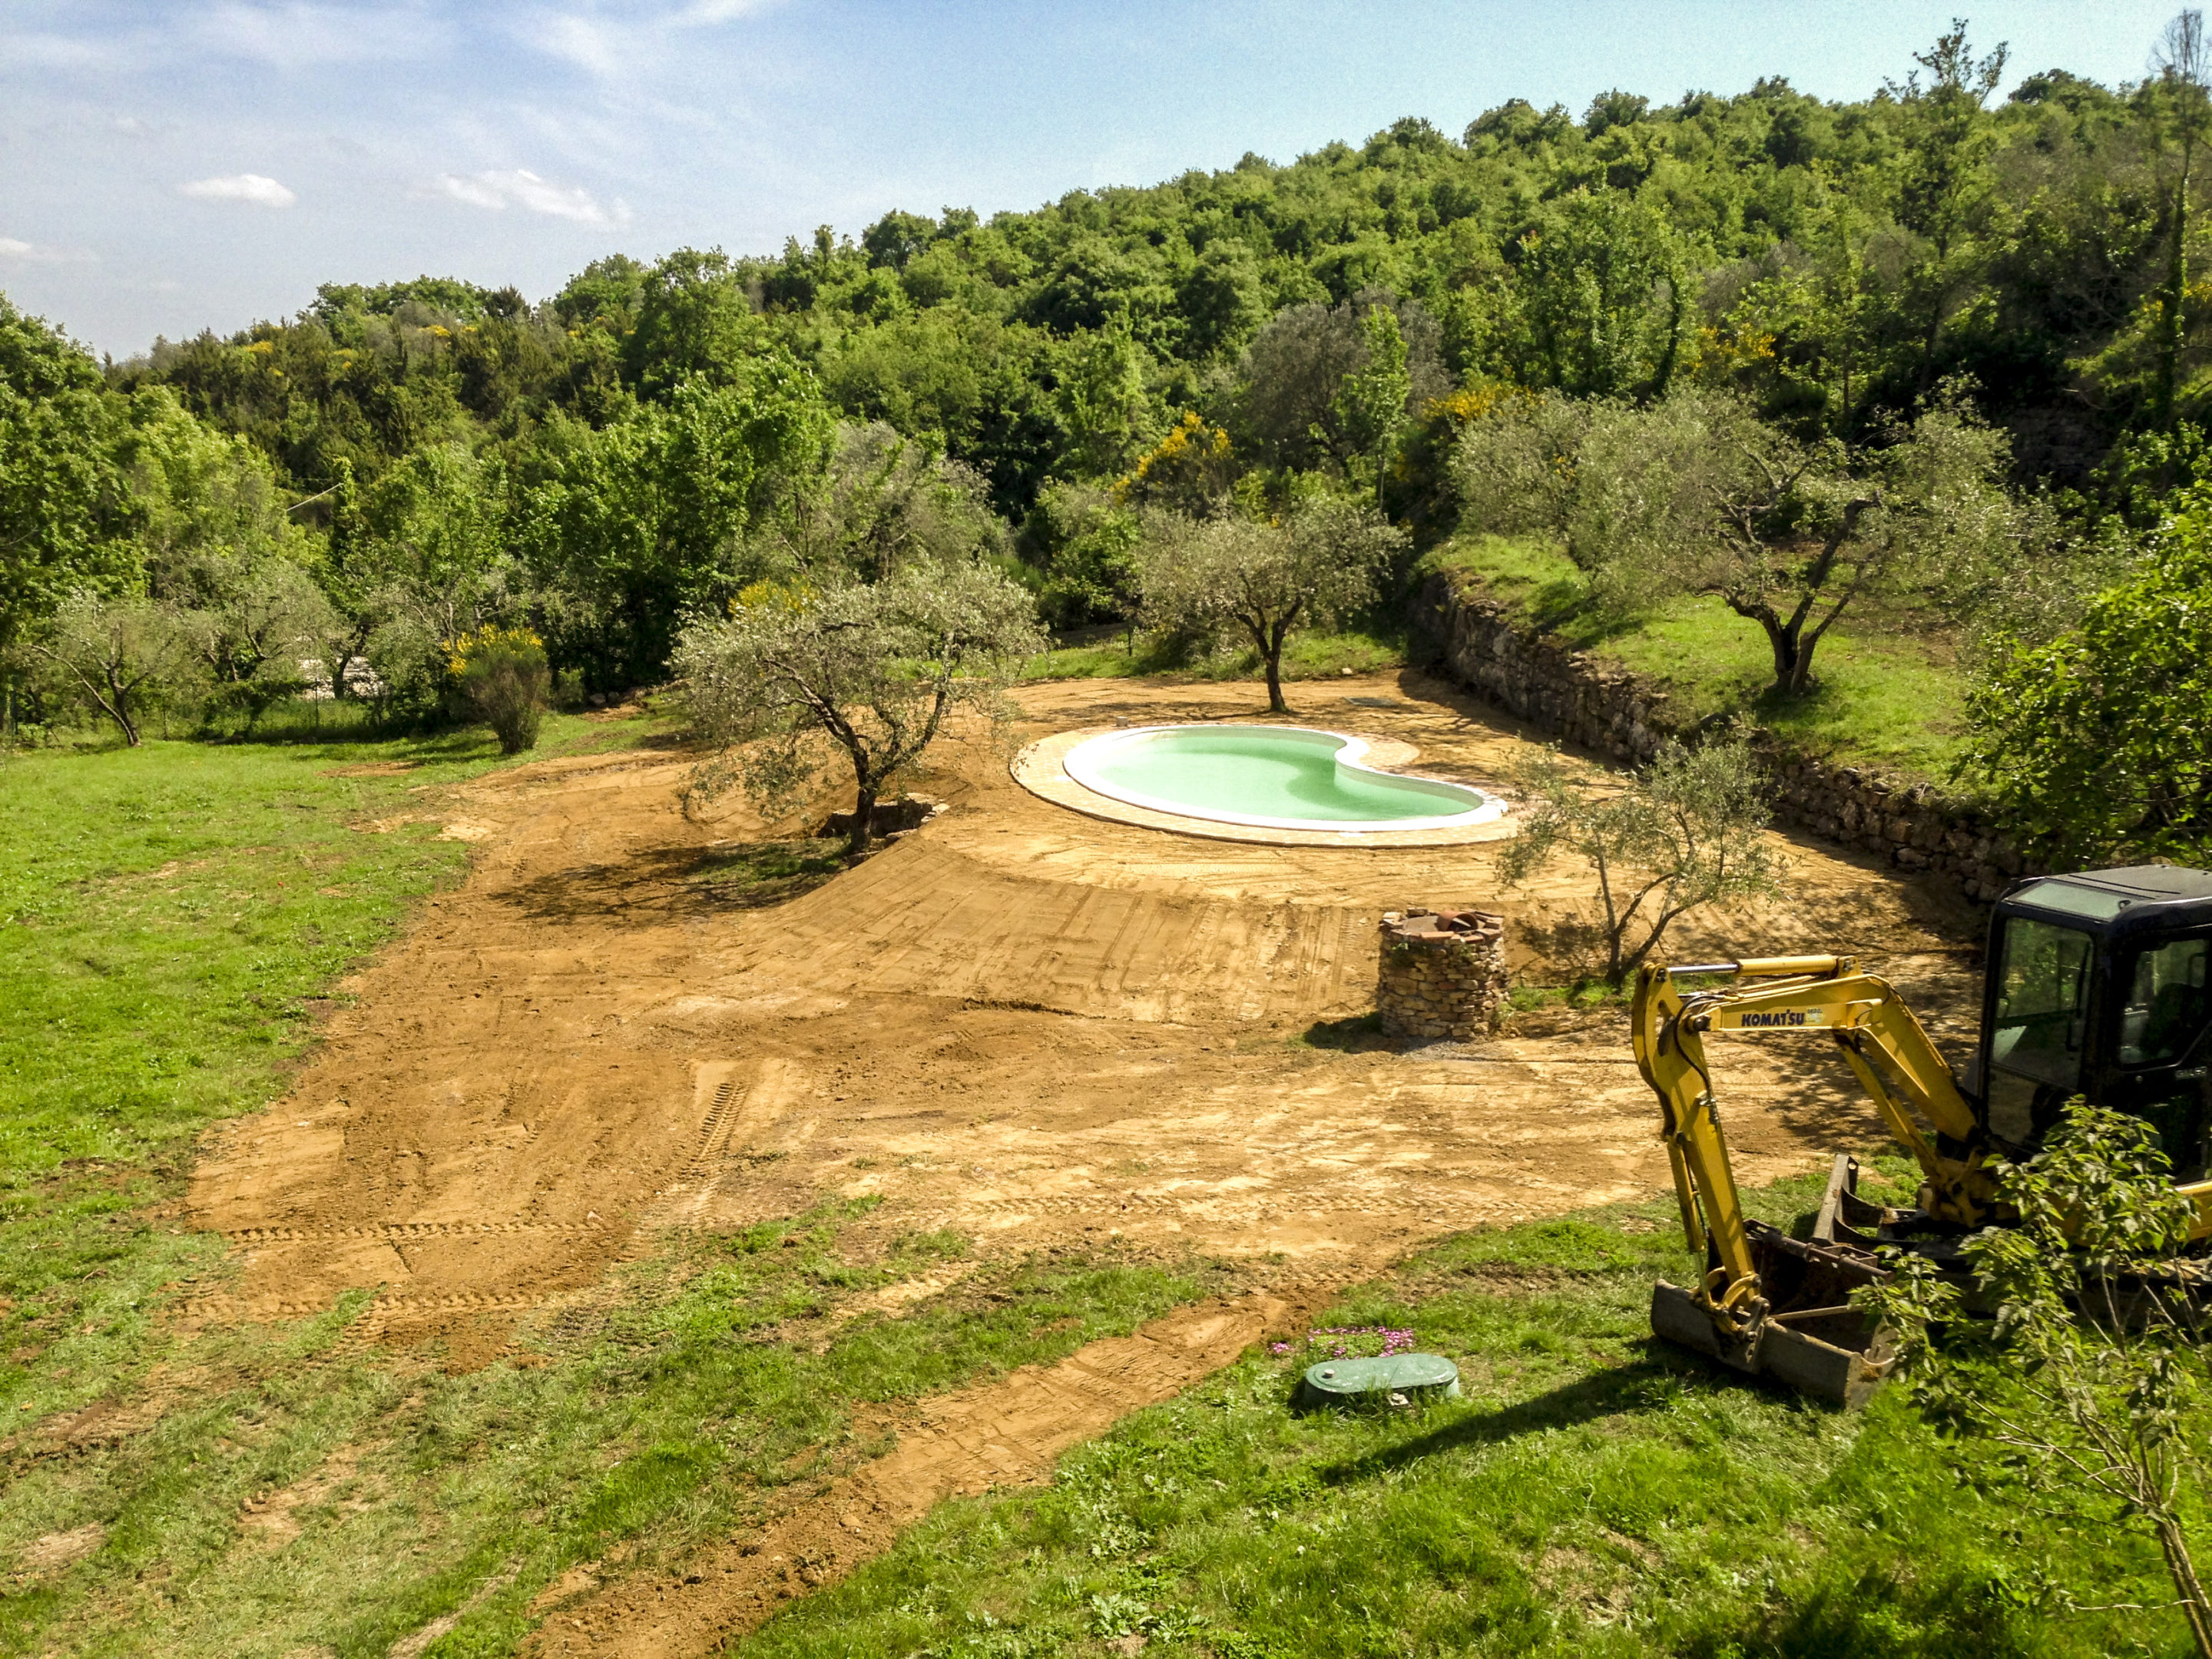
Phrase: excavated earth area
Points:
(1019, 1022)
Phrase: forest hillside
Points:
(1936, 356)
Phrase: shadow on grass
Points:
(1971, 1614)
(685, 880)
(759, 875)
(1648, 1385)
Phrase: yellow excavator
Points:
(2095, 985)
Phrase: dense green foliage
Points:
(1929, 350)
(2100, 741)
(1837, 261)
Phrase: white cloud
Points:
(255, 188)
(589, 44)
(54, 51)
(15, 251)
(298, 36)
(475, 192)
(626, 46)
(519, 187)
(701, 14)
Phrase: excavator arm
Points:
(1865, 1018)
(1768, 1302)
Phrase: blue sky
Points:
(169, 167)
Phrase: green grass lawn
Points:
(167, 914)
(1593, 1496)
(1889, 692)
(1305, 656)
(172, 917)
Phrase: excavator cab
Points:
(2097, 984)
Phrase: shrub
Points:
(502, 674)
(2088, 1377)
(2094, 746)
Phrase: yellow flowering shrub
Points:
(1188, 467)
(502, 674)
(490, 641)
(771, 594)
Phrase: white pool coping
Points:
(1081, 762)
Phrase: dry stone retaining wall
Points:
(1601, 706)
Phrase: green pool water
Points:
(1279, 776)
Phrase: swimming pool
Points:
(1278, 777)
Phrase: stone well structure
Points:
(1442, 973)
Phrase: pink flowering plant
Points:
(1345, 1342)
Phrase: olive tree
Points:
(261, 620)
(2088, 1376)
(1686, 834)
(1265, 579)
(1698, 494)
(797, 678)
(881, 502)
(120, 657)
(1325, 385)
(1514, 468)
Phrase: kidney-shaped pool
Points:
(1280, 777)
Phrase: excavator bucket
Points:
(1810, 1337)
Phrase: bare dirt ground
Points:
(1006, 1433)
(1025, 1023)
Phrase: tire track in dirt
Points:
(1030, 1026)
(1006, 1433)
(933, 921)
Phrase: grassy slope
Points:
(1593, 1496)
(169, 917)
(1305, 656)
(1891, 697)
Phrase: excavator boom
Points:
(2099, 985)
(1769, 1304)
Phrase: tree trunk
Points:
(1616, 926)
(1270, 648)
(2194, 1604)
(118, 703)
(864, 821)
(1801, 669)
(1791, 657)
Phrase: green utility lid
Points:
(1402, 1376)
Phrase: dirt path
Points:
(1006, 1434)
(1024, 1024)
